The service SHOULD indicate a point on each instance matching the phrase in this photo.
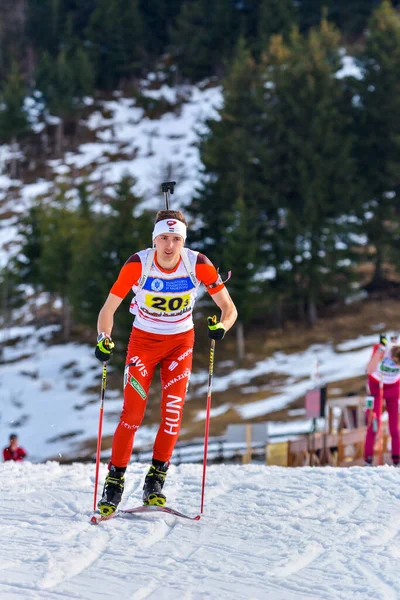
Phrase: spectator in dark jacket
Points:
(13, 451)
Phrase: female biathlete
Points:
(384, 384)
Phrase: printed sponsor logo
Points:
(127, 426)
(136, 362)
(164, 315)
(386, 369)
(186, 373)
(174, 364)
(136, 386)
(157, 285)
(175, 285)
(173, 415)
(170, 223)
(185, 354)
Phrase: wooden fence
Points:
(247, 443)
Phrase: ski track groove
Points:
(382, 590)
(92, 553)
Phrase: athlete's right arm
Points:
(105, 321)
(377, 357)
(128, 276)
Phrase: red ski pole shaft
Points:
(380, 437)
(100, 430)
(207, 425)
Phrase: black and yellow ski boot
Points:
(153, 484)
(112, 492)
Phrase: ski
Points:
(96, 519)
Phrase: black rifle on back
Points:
(167, 187)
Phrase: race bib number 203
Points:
(167, 303)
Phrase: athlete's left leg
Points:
(374, 421)
(392, 405)
(175, 373)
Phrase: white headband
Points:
(170, 226)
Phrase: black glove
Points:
(105, 347)
(216, 330)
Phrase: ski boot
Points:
(153, 484)
(112, 492)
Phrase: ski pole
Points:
(380, 440)
(207, 426)
(99, 433)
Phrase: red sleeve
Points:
(21, 453)
(208, 274)
(128, 276)
(374, 349)
(6, 454)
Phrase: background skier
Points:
(384, 370)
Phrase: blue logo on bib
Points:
(178, 285)
(157, 285)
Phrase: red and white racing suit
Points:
(162, 334)
(387, 374)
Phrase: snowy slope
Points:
(267, 533)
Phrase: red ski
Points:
(96, 519)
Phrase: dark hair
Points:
(395, 354)
(13, 436)
(170, 214)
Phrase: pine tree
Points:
(26, 265)
(240, 253)
(13, 117)
(64, 83)
(274, 17)
(45, 25)
(84, 76)
(104, 243)
(231, 208)
(351, 17)
(56, 81)
(79, 14)
(229, 153)
(379, 134)
(202, 38)
(158, 18)
(308, 165)
(48, 234)
(59, 227)
(14, 42)
(116, 41)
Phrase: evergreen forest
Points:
(300, 181)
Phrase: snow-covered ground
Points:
(267, 533)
